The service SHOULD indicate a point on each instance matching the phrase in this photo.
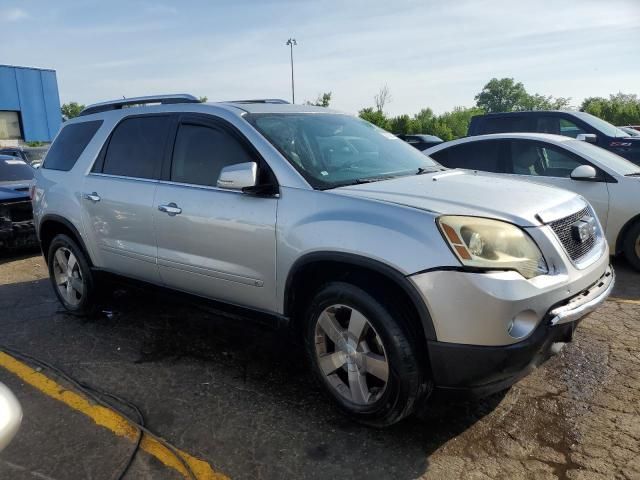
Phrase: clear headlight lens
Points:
(486, 243)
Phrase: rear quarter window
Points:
(69, 145)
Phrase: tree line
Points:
(498, 95)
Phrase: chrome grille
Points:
(562, 229)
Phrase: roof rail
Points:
(259, 100)
(127, 102)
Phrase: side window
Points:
(569, 129)
(506, 124)
(136, 147)
(483, 155)
(69, 145)
(538, 159)
(201, 152)
(548, 125)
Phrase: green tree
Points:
(402, 124)
(501, 95)
(456, 122)
(374, 116)
(619, 109)
(203, 99)
(322, 100)
(507, 95)
(71, 109)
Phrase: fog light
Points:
(523, 324)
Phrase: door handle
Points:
(93, 197)
(171, 209)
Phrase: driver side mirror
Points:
(587, 137)
(238, 176)
(584, 173)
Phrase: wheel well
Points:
(623, 233)
(49, 228)
(309, 277)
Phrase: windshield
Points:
(606, 158)
(14, 170)
(332, 150)
(601, 125)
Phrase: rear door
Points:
(213, 242)
(550, 164)
(118, 196)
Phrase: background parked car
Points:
(609, 182)
(420, 141)
(31, 155)
(630, 131)
(16, 215)
(560, 122)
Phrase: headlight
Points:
(485, 243)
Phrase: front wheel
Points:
(71, 276)
(631, 246)
(361, 352)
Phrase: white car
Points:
(609, 182)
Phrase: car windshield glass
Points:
(14, 170)
(605, 157)
(332, 150)
(601, 125)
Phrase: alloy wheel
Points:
(68, 276)
(351, 355)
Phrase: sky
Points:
(436, 54)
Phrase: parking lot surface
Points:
(236, 396)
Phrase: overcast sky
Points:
(434, 54)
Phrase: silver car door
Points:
(118, 196)
(213, 242)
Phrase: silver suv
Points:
(401, 276)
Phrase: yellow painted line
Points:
(109, 419)
(624, 300)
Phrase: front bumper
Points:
(17, 234)
(480, 370)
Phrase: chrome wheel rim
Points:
(638, 246)
(351, 355)
(68, 276)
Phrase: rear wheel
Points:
(362, 354)
(71, 276)
(631, 246)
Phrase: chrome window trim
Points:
(109, 175)
(206, 187)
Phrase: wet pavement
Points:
(237, 394)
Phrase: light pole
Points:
(291, 42)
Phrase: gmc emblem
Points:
(583, 229)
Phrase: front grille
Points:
(562, 229)
(20, 211)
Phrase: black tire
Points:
(406, 385)
(86, 304)
(631, 246)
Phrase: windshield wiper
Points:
(422, 170)
(359, 181)
(634, 174)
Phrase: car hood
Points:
(460, 192)
(8, 192)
